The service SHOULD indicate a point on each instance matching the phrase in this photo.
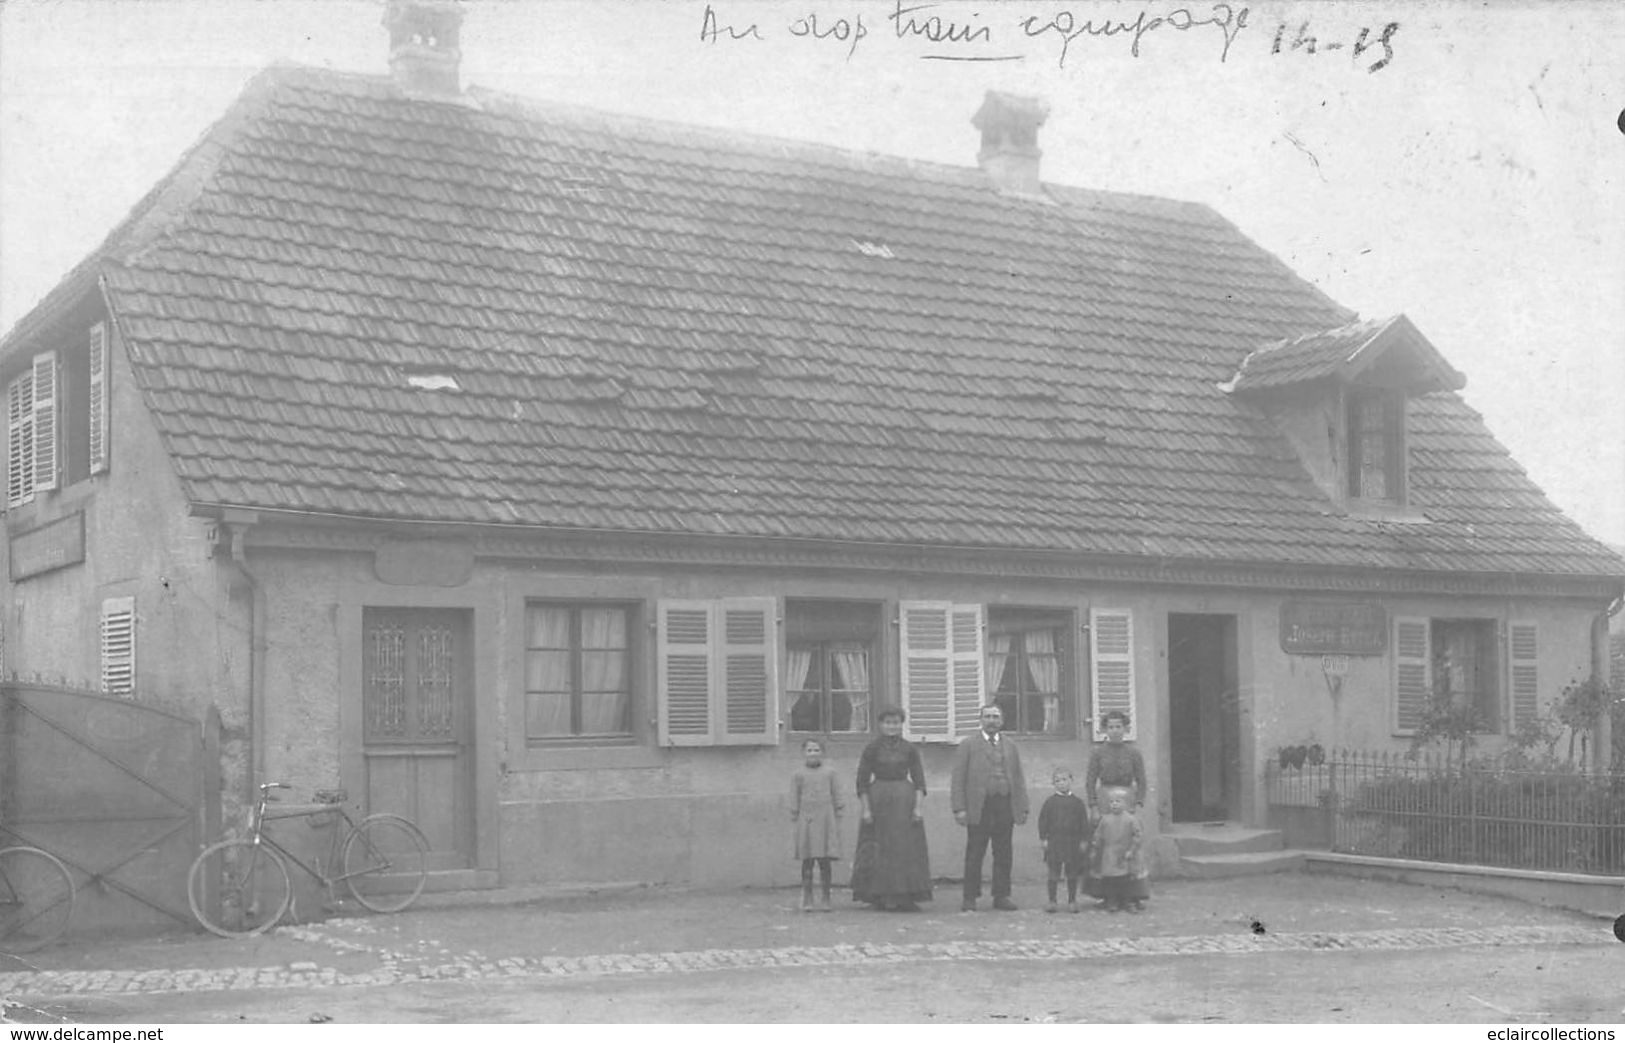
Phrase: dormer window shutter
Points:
(118, 646)
(1413, 674)
(99, 405)
(45, 418)
(1111, 667)
(1525, 687)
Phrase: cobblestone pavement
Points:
(396, 966)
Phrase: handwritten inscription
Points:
(952, 33)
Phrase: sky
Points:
(1461, 163)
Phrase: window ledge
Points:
(579, 757)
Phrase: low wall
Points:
(722, 840)
(1596, 895)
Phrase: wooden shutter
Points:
(1413, 673)
(1525, 657)
(99, 405)
(1111, 666)
(20, 440)
(118, 646)
(749, 668)
(45, 419)
(965, 635)
(925, 650)
(684, 657)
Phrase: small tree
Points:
(1451, 721)
(1580, 710)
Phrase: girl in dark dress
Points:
(892, 869)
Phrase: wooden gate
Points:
(120, 791)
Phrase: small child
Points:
(1116, 855)
(815, 810)
(1063, 826)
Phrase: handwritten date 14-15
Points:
(1304, 41)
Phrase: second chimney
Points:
(423, 51)
(1009, 124)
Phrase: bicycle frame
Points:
(259, 834)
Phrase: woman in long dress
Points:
(892, 868)
(1116, 765)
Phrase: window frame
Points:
(823, 651)
(1395, 448)
(1019, 620)
(575, 606)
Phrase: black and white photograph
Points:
(745, 512)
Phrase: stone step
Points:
(1247, 863)
(1228, 839)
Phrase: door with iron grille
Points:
(417, 706)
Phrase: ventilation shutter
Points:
(45, 417)
(965, 634)
(1111, 666)
(927, 669)
(1525, 687)
(683, 661)
(750, 670)
(99, 405)
(1413, 674)
(118, 646)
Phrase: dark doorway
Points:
(1204, 718)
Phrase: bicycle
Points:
(36, 899)
(241, 887)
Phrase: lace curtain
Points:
(852, 675)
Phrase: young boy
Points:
(1063, 826)
(1117, 853)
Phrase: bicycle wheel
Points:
(36, 899)
(385, 863)
(237, 888)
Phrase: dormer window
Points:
(1376, 446)
(1339, 397)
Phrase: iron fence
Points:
(1425, 808)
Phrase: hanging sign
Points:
(1334, 628)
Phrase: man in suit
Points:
(989, 798)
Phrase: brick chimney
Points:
(1009, 124)
(423, 51)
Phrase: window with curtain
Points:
(829, 654)
(578, 671)
(1025, 653)
(1464, 656)
(1376, 446)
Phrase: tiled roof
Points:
(667, 329)
(1341, 353)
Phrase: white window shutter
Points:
(45, 421)
(965, 634)
(927, 668)
(684, 657)
(1413, 673)
(100, 406)
(118, 646)
(749, 668)
(20, 440)
(1525, 658)
(1111, 666)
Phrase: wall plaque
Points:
(51, 546)
(1334, 628)
(423, 563)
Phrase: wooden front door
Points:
(418, 722)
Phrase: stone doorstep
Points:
(1226, 839)
(1241, 863)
